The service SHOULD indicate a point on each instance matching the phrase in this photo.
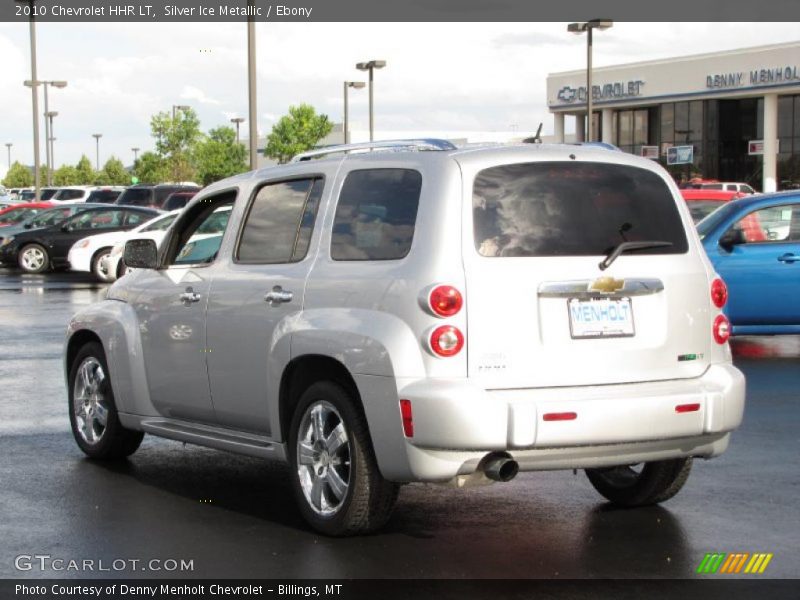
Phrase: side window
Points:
(731, 187)
(133, 219)
(161, 224)
(772, 224)
(376, 215)
(199, 234)
(278, 226)
(96, 219)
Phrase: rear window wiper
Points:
(627, 246)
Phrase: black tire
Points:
(655, 482)
(112, 441)
(368, 501)
(99, 275)
(33, 258)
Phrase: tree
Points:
(113, 173)
(296, 132)
(151, 168)
(175, 140)
(18, 176)
(66, 175)
(219, 155)
(86, 174)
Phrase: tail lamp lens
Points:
(408, 419)
(447, 340)
(719, 293)
(445, 300)
(722, 329)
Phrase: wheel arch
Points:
(77, 341)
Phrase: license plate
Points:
(600, 318)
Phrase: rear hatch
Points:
(541, 312)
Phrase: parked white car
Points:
(86, 254)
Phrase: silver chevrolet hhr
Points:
(410, 311)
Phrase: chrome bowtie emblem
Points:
(606, 285)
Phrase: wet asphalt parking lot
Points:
(235, 517)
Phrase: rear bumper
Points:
(456, 424)
(79, 261)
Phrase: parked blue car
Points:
(754, 244)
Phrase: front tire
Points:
(92, 411)
(334, 472)
(96, 270)
(33, 258)
(655, 482)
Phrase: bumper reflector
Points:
(562, 416)
(408, 419)
(684, 408)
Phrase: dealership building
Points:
(732, 116)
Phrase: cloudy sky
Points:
(452, 76)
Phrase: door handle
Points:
(189, 296)
(278, 295)
(789, 258)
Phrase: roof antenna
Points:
(537, 137)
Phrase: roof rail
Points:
(415, 144)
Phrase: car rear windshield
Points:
(572, 209)
(700, 209)
(106, 196)
(136, 197)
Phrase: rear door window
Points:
(136, 197)
(376, 214)
(572, 209)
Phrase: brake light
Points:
(719, 292)
(721, 329)
(408, 419)
(446, 340)
(445, 300)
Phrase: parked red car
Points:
(703, 202)
(14, 214)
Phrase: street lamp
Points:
(97, 137)
(587, 27)
(355, 85)
(135, 154)
(371, 66)
(8, 145)
(51, 164)
(176, 108)
(252, 90)
(237, 121)
(34, 100)
(47, 133)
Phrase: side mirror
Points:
(732, 237)
(141, 254)
(65, 228)
(28, 225)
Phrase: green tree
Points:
(151, 168)
(86, 174)
(66, 175)
(113, 173)
(296, 132)
(175, 141)
(18, 176)
(219, 156)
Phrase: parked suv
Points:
(421, 313)
(152, 196)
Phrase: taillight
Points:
(408, 419)
(445, 300)
(719, 292)
(721, 329)
(447, 340)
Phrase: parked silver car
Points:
(419, 312)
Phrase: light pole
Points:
(34, 100)
(51, 164)
(237, 121)
(8, 145)
(371, 66)
(135, 154)
(587, 27)
(251, 84)
(357, 85)
(47, 134)
(97, 137)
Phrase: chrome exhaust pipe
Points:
(500, 467)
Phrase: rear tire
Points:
(92, 410)
(33, 258)
(656, 482)
(334, 472)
